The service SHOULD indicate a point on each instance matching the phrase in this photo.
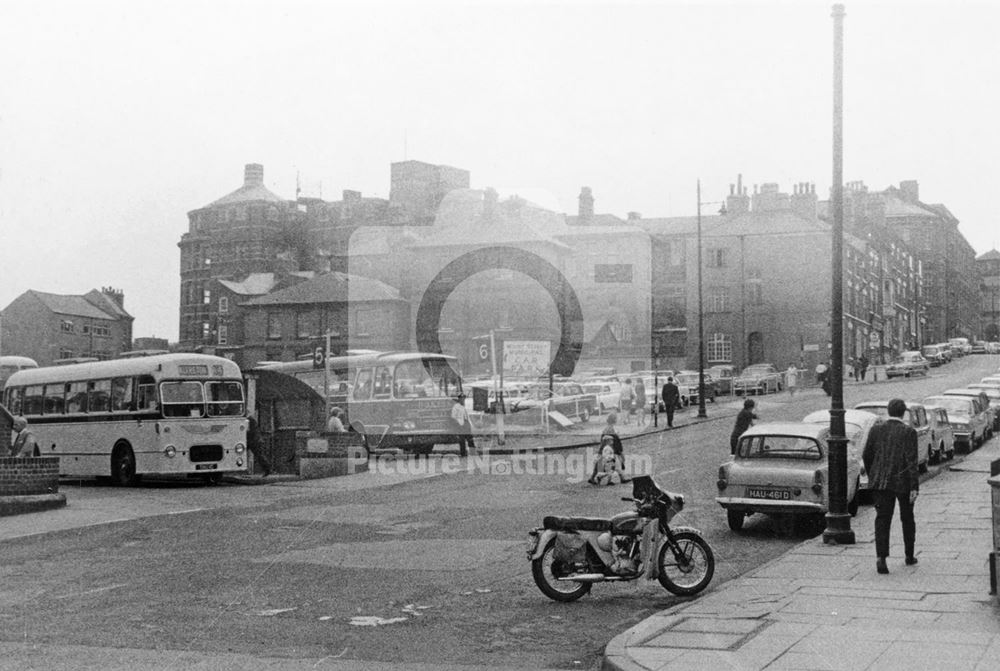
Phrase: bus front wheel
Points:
(123, 466)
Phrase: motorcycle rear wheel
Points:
(693, 571)
(545, 570)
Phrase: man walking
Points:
(891, 459)
(671, 399)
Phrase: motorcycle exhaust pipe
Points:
(584, 577)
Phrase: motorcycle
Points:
(569, 554)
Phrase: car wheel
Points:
(735, 519)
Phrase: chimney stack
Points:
(586, 210)
(253, 174)
(738, 202)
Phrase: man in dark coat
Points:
(891, 459)
(671, 399)
(744, 420)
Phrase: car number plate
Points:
(205, 467)
(768, 493)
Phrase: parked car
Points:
(857, 425)
(608, 393)
(968, 424)
(934, 355)
(758, 378)
(687, 384)
(961, 346)
(781, 469)
(567, 398)
(916, 416)
(723, 376)
(992, 380)
(941, 432)
(947, 350)
(978, 347)
(907, 364)
(993, 347)
(983, 400)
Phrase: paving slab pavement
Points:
(822, 606)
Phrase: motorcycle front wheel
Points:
(546, 570)
(691, 569)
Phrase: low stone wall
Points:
(28, 484)
(324, 456)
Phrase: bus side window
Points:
(99, 396)
(76, 397)
(383, 383)
(121, 394)
(145, 397)
(14, 400)
(33, 400)
(363, 388)
(54, 399)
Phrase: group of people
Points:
(633, 401)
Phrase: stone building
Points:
(988, 273)
(253, 232)
(48, 327)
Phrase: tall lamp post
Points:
(838, 521)
(701, 322)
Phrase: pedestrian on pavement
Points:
(791, 378)
(639, 404)
(609, 468)
(627, 397)
(462, 425)
(856, 369)
(744, 421)
(864, 366)
(256, 446)
(336, 422)
(671, 400)
(25, 444)
(891, 460)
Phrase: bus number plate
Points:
(205, 467)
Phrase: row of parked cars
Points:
(780, 469)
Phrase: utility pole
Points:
(701, 322)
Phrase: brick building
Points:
(289, 323)
(48, 327)
(988, 273)
(253, 232)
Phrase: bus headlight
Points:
(409, 425)
(240, 448)
(170, 451)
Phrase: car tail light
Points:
(818, 482)
(723, 478)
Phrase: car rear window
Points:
(779, 447)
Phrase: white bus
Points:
(11, 364)
(170, 414)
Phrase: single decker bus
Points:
(163, 415)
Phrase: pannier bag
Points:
(570, 548)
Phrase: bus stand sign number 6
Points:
(484, 352)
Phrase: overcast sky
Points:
(118, 118)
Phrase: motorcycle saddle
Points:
(576, 523)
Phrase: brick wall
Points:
(25, 476)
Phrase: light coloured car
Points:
(916, 416)
(985, 406)
(781, 469)
(967, 422)
(933, 354)
(907, 364)
(565, 397)
(758, 378)
(857, 425)
(941, 432)
(608, 393)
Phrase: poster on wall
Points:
(526, 358)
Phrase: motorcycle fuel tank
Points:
(626, 523)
